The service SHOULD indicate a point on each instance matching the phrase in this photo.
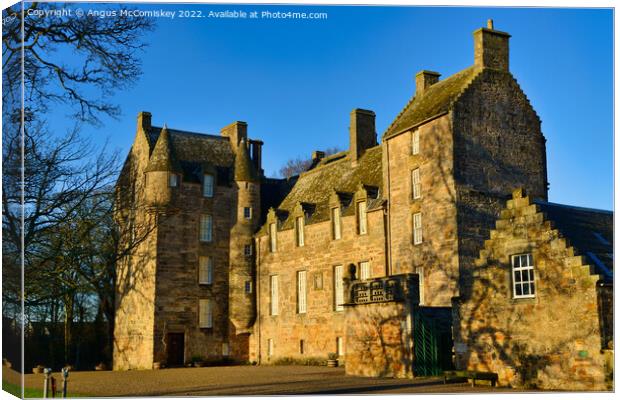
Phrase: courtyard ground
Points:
(239, 380)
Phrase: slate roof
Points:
(162, 157)
(193, 151)
(314, 187)
(436, 100)
(589, 231)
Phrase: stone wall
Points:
(437, 254)
(178, 291)
(530, 342)
(321, 324)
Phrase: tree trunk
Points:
(68, 303)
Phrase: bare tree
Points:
(296, 166)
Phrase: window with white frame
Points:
(336, 228)
(415, 142)
(417, 228)
(523, 276)
(173, 180)
(415, 183)
(273, 238)
(247, 250)
(247, 212)
(362, 222)
(364, 270)
(339, 346)
(205, 313)
(206, 228)
(269, 347)
(205, 274)
(301, 292)
(274, 295)
(207, 185)
(299, 228)
(420, 272)
(338, 289)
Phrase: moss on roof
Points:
(197, 147)
(437, 99)
(163, 157)
(244, 168)
(317, 185)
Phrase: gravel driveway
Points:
(240, 380)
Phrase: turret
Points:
(242, 300)
(163, 172)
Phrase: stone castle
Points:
(443, 227)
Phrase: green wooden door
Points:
(432, 345)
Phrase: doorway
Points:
(176, 349)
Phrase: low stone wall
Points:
(378, 340)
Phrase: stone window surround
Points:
(173, 180)
(338, 288)
(302, 291)
(336, 223)
(299, 231)
(274, 295)
(207, 322)
(416, 185)
(247, 212)
(273, 237)
(415, 142)
(417, 233)
(247, 250)
(209, 270)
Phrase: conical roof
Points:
(162, 158)
(244, 168)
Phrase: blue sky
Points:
(295, 81)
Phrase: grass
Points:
(29, 393)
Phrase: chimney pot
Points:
(490, 23)
(318, 155)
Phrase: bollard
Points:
(65, 378)
(47, 372)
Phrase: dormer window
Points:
(207, 185)
(362, 222)
(173, 180)
(336, 227)
(299, 231)
(415, 142)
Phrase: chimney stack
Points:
(491, 48)
(235, 132)
(256, 150)
(424, 79)
(144, 121)
(362, 134)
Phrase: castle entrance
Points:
(432, 340)
(176, 349)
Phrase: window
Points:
(274, 295)
(417, 228)
(523, 276)
(339, 346)
(338, 289)
(420, 272)
(361, 218)
(364, 270)
(336, 231)
(247, 250)
(415, 183)
(300, 231)
(225, 349)
(273, 239)
(415, 142)
(248, 287)
(301, 292)
(206, 228)
(301, 346)
(269, 347)
(247, 212)
(207, 186)
(205, 274)
(205, 313)
(173, 180)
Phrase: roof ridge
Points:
(598, 210)
(183, 132)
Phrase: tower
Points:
(241, 271)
